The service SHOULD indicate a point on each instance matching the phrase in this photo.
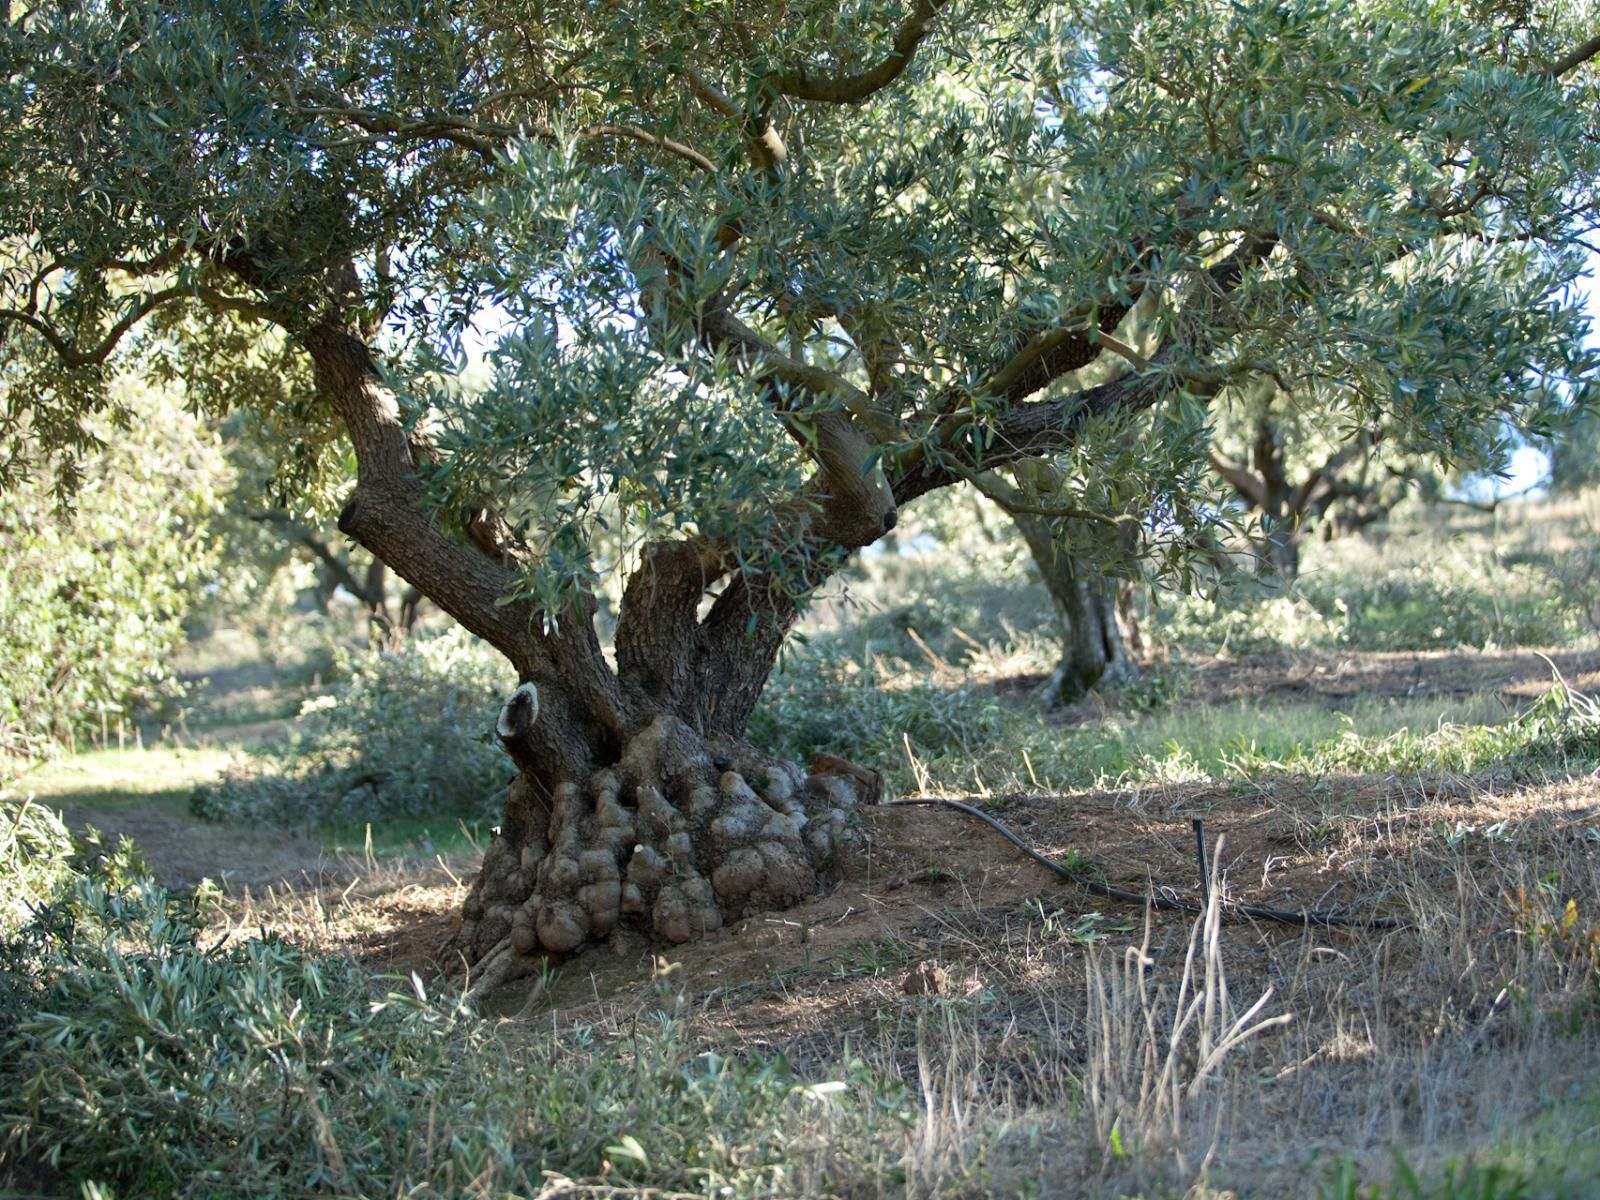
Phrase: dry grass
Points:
(1147, 1054)
(1076, 1046)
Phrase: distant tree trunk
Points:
(1287, 510)
(1279, 549)
(1574, 461)
(1279, 544)
(1099, 633)
(389, 624)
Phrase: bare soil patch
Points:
(182, 851)
(1519, 675)
(1336, 679)
(936, 885)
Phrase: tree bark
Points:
(1097, 624)
(1287, 511)
(1278, 548)
(637, 805)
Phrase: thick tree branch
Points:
(387, 515)
(1035, 430)
(483, 140)
(856, 505)
(1574, 58)
(337, 567)
(98, 354)
(1300, 500)
(488, 138)
(767, 149)
(1022, 430)
(1239, 479)
(659, 639)
(802, 84)
(1048, 357)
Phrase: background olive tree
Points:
(93, 597)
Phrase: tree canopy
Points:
(91, 609)
(730, 246)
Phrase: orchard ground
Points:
(1358, 748)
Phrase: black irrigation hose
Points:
(1156, 899)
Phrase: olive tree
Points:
(93, 600)
(754, 276)
(1295, 465)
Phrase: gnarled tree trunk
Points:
(654, 814)
(638, 803)
(683, 833)
(676, 825)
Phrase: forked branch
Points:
(801, 84)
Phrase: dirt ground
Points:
(935, 885)
(1476, 869)
(181, 851)
(1516, 675)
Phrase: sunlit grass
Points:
(160, 776)
(927, 732)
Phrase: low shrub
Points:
(402, 733)
(872, 711)
(35, 856)
(1247, 619)
(1422, 607)
(137, 1058)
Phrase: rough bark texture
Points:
(1096, 620)
(681, 835)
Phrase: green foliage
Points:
(1456, 1181)
(1410, 596)
(35, 854)
(136, 1057)
(1558, 733)
(1414, 608)
(731, 258)
(401, 733)
(871, 712)
(92, 603)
